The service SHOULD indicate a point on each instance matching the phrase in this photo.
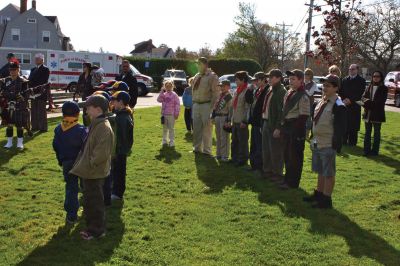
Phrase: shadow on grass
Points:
(168, 155)
(361, 242)
(7, 154)
(391, 162)
(189, 137)
(67, 248)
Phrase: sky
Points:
(117, 25)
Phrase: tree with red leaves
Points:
(336, 40)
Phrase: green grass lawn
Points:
(182, 209)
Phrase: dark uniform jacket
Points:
(353, 89)
(131, 81)
(15, 95)
(256, 105)
(39, 76)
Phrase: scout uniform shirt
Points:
(323, 129)
(302, 107)
(205, 88)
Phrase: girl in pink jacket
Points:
(169, 112)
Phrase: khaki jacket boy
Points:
(94, 160)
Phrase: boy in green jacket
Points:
(93, 166)
(124, 141)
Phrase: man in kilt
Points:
(14, 92)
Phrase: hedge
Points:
(157, 67)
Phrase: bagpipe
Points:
(38, 91)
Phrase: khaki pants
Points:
(202, 128)
(223, 137)
(272, 151)
(168, 130)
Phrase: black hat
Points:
(202, 60)
(98, 101)
(295, 72)
(332, 79)
(224, 82)
(10, 55)
(70, 108)
(275, 73)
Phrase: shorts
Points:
(324, 162)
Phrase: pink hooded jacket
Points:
(170, 103)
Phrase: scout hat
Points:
(332, 79)
(295, 72)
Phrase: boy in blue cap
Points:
(68, 140)
(124, 141)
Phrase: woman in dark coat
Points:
(374, 99)
(85, 87)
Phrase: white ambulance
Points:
(66, 66)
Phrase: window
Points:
(23, 58)
(75, 65)
(46, 36)
(31, 20)
(15, 34)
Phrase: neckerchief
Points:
(239, 90)
(68, 122)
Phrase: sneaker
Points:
(172, 145)
(324, 202)
(115, 197)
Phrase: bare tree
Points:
(379, 42)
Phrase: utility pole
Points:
(308, 35)
(283, 25)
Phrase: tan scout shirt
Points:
(240, 113)
(207, 91)
(301, 108)
(323, 130)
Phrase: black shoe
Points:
(313, 197)
(324, 202)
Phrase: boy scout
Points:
(296, 109)
(329, 123)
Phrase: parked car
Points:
(145, 83)
(178, 77)
(317, 79)
(392, 81)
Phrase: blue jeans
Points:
(71, 203)
(377, 138)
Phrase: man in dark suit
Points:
(127, 77)
(39, 76)
(4, 71)
(351, 91)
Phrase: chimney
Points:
(23, 7)
(34, 4)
